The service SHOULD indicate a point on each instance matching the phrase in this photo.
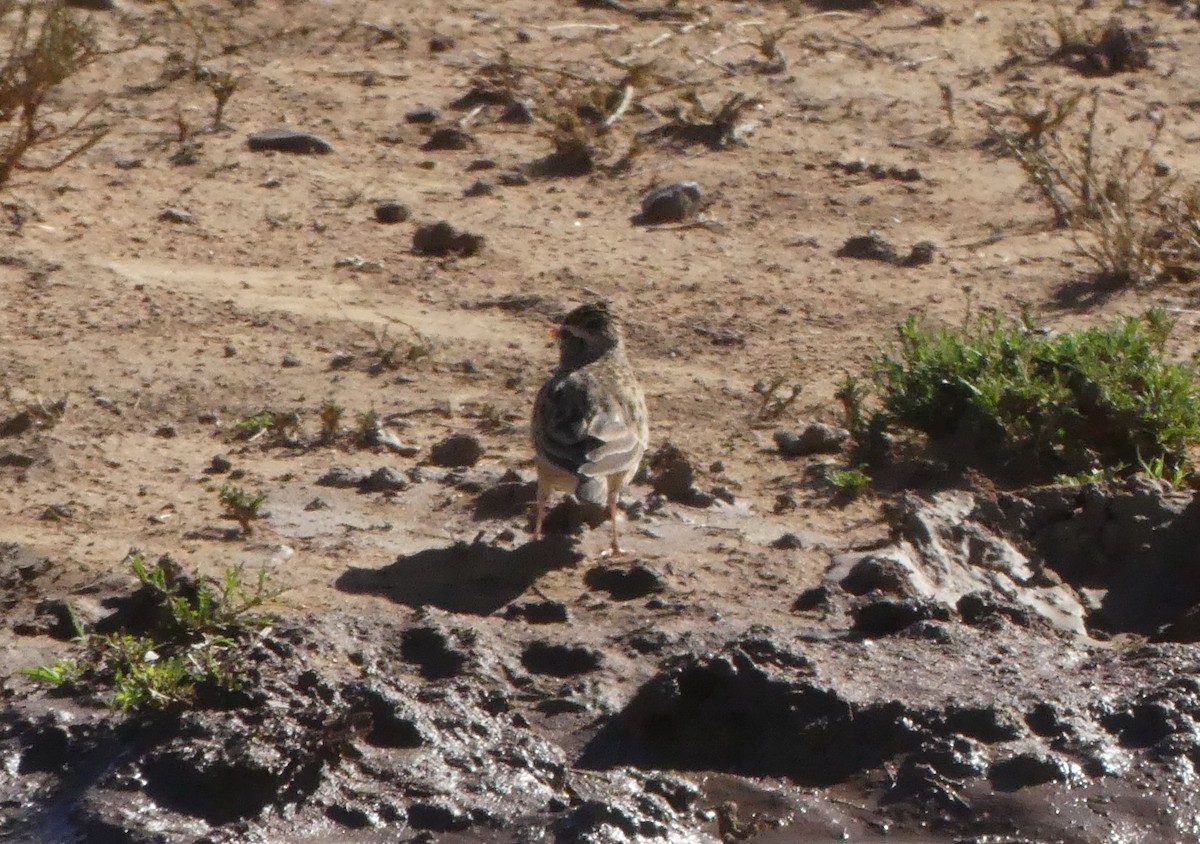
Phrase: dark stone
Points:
(219, 465)
(393, 722)
(988, 724)
(539, 612)
(557, 660)
(1026, 769)
(672, 474)
(674, 203)
(481, 164)
(870, 247)
(166, 432)
(342, 477)
(442, 239)
(986, 609)
(441, 43)
(788, 542)
(290, 362)
(481, 188)
(817, 438)
(560, 706)
(886, 616)
(423, 115)
(448, 138)
(91, 5)
(285, 139)
(517, 111)
(812, 598)
(16, 424)
(1044, 720)
(383, 479)
(437, 817)
(876, 574)
(391, 212)
(625, 583)
(435, 650)
(457, 450)
(922, 253)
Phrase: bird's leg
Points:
(543, 496)
(612, 517)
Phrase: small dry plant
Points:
(1124, 213)
(1088, 48)
(44, 45)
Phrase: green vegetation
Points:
(194, 643)
(243, 507)
(849, 482)
(1072, 401)
(282, 426)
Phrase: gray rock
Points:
(671, 204)
(817, 438)
(176, 215)
(384, 479)
(342, 477)
(286, 139)
(423, 115)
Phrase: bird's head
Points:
(586, 333)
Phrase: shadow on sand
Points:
(464, 578)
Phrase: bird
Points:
(590, 426)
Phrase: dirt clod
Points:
(391, 212)
(442, 239)
(457, 450)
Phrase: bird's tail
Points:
(592, 490)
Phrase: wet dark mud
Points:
(999, 671)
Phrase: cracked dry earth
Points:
(768, 663)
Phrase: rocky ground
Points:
(942, 659)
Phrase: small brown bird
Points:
(589, 420)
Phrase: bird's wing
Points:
(582, 429)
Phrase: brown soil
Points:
(277, 289)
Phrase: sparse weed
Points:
(195, 642)
(1157, 468)
(64, 673)
(45, 44)
(776, 396)
(366, 428)
(1124, 217)
(283, 426)
(243, 507)
(1099, 396)
(330, 414)
(849, 482)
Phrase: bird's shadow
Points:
(473, 578)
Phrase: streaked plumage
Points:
(589, 421)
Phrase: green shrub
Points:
(1098, 396)
(195, 642)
